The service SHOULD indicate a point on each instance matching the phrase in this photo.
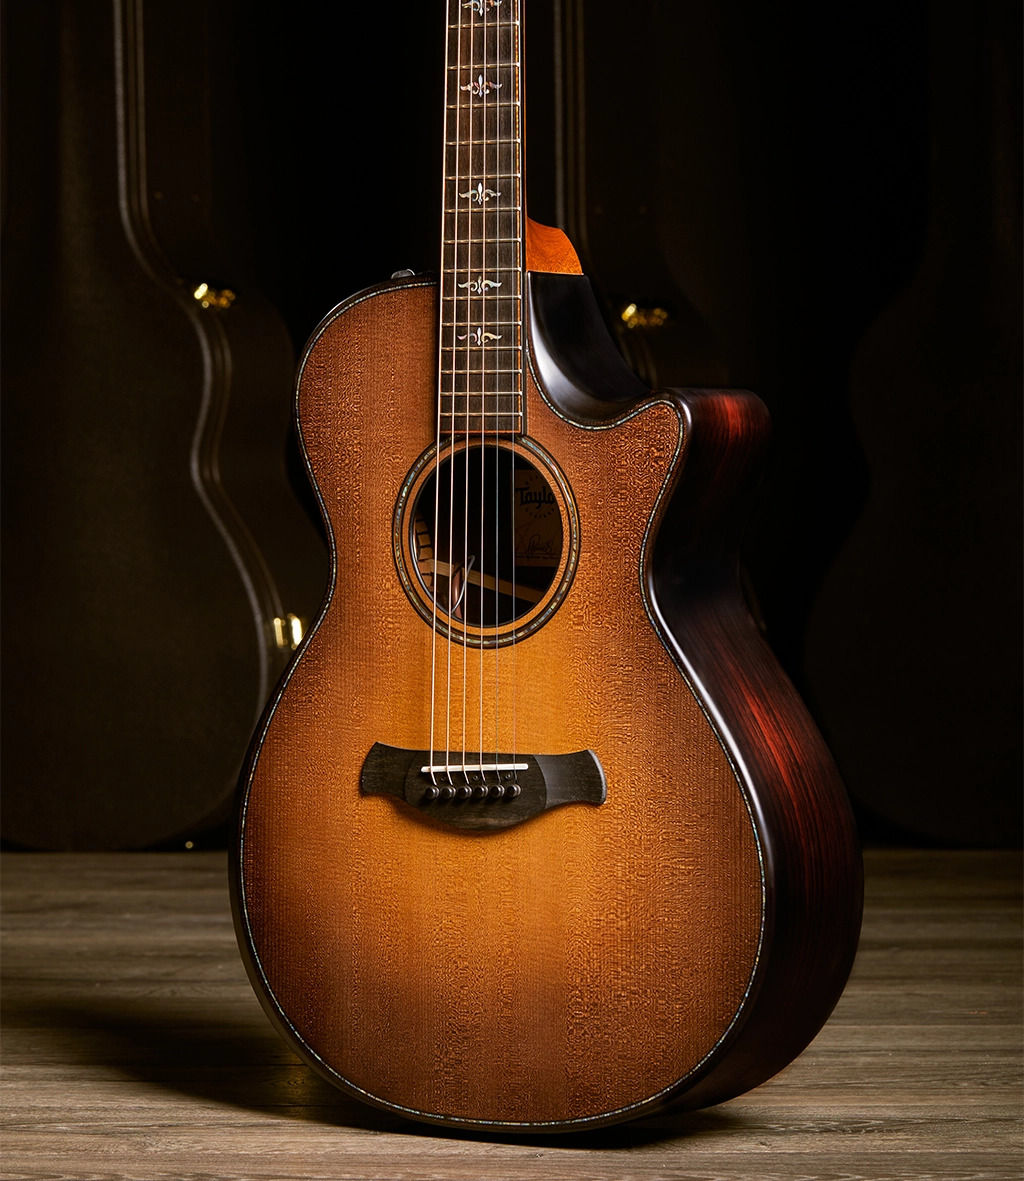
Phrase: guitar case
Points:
(158, 564)
(614, 191)
(764, 211)
(914, 640)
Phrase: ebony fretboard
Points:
(481, 264)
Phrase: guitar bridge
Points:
(482, 791)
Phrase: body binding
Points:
(676, 944)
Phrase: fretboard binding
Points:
(477, 373)
(476, 242)
(482, 414)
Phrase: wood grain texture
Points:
(133, 1049)
(571, 969)
(808, 834)
(549, 250)
(808, 841)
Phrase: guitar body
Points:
(678, 941)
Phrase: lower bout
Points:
(554, 974)
(573, 970)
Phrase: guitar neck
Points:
(482, 231)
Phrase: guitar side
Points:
(813, 867)
(593, 963)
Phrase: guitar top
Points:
(535, 834)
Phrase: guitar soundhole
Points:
(486, 537)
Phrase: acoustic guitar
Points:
(535, 834)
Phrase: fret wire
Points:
(493, 397)
(509, 142)
(509, 139)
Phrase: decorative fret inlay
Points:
(480, 195)
(480, 369)
(476, 286)
(478, 87)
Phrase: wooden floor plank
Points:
(134, 1049)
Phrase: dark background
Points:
(826, 202)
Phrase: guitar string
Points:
(483, 418)
(497, 507)
(474, 379)
(453, 280)
(458, 607)
(519, 379)
(450, 298)
(474, 373)
(499, 547)
(443, 351)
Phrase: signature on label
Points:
(538, 547)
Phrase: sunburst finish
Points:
(678, 942)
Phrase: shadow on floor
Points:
(240, 1061)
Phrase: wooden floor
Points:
(134, 1048)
